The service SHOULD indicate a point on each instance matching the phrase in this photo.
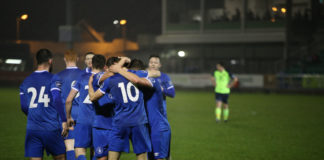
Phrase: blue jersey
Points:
(87, 70)
(36, 94)
(167, 85)
(103, 107)
(68, 77)
(128, 99)
(156, 112)
(86, 110)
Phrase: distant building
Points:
(250, 36)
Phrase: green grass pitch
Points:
(261, 127)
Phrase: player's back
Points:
(156, 112)
(129, 103)
(86, 110)
(103, 114)
(37, 91)
(68, 77)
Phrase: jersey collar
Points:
(41, 71)
(72, 67)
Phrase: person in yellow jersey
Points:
(223, 82)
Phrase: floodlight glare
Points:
(274, 9)
(181, 53)
(24, 17)
(283, 10)
(123, 22)
(13, 61)
(115, 22)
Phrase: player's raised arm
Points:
(133, 78)
(105, 76)
(93, 95)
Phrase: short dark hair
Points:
(221, 63)
(112, 60)
(98, 61)
(88, 53)
(136, 64)
(154, 56)
(43, 55)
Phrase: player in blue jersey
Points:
(160, 132)
(102, 123)
(130, 119)
(159, 127)
(88, 61)
(40, 97)
(165, 81)
(83, 128)
(68, 77)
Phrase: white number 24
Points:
(42, 98)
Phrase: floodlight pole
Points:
(287, 33)
(69, 21)
(17, 29)
(243, 16)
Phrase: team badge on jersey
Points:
(99, 150)
(58, 84)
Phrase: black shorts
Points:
(222, 97)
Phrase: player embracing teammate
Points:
(113, 107)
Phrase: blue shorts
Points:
(71, 134)
(37, 141)
(100, 141)
(139, 135)
(160, 144)
(222, 97)
(83, 135)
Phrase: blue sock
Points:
(82, 157)
(70, 155)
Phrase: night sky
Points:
(45, 16)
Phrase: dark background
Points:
(143, 16)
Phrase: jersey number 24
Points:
(42, 98)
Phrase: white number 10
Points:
(43, 98)
(121, 85)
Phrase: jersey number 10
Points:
(42, 98)
(128, 92)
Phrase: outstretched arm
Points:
(105, 76)
(133, 78)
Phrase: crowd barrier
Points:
(258, 81)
